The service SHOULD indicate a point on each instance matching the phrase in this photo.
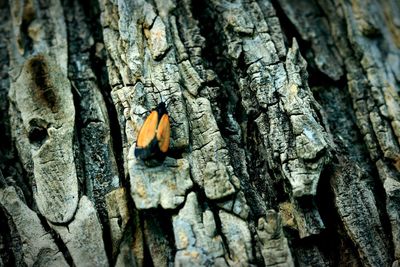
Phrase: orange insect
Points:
(153, 139)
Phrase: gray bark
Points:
(285, 131)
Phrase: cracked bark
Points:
(284, 133)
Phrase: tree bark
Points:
(285, 131)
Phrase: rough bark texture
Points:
(285, 133)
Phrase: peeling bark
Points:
(284, 143)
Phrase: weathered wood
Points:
(42, 111)
(284, 133)
(38, 247)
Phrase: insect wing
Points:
(148, 130)
(163, 133)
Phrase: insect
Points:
(153, 139)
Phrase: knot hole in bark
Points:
(37, 133)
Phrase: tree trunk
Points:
(285, 132)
